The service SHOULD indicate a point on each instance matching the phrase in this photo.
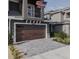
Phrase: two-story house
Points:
(25, 18)
(59, 20)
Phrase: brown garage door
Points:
(29, 32)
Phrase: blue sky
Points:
(56, 4)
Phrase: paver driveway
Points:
(36, 47)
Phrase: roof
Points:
(57, 11)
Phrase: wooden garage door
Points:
(29, 32)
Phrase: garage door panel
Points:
(30, 32)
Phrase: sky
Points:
(56, 4)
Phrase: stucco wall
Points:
(56, 17)
(65, 16)
(66, 29)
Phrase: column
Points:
(48, 32)
(33, 21)
(39, 22)
(26, 21)
(9, 27)
(24, 9)
(30, 21)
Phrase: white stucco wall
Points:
(65, 16)
(56, 17)
(66, 29)
(47, 16)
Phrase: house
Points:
(58, 20)
(26, 20)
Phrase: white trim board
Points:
(14, 38)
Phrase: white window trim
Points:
(32, 10)
(42, 13)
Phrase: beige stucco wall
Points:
(24, 9)
(65, 18)
(66, 29)
(56, 17)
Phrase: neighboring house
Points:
(26, 20)
(59, 20)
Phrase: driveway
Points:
(36, 47)
(60, 53)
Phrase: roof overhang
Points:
(51, 22)
(14, 1)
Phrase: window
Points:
(15, 8)
(37, 12)
(33, 11)
(30, 10)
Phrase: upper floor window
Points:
(30, 10)
(15, 8)
(33, 11)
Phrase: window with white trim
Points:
(31, 10)
(34, 11)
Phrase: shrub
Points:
(61, 37)
(51, 34)
(67, 40)
(10, 40)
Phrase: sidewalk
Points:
(61, 53)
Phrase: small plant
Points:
(51, 34)
(15, 52)
(10, 40)
(61, 37)
(67, 40)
